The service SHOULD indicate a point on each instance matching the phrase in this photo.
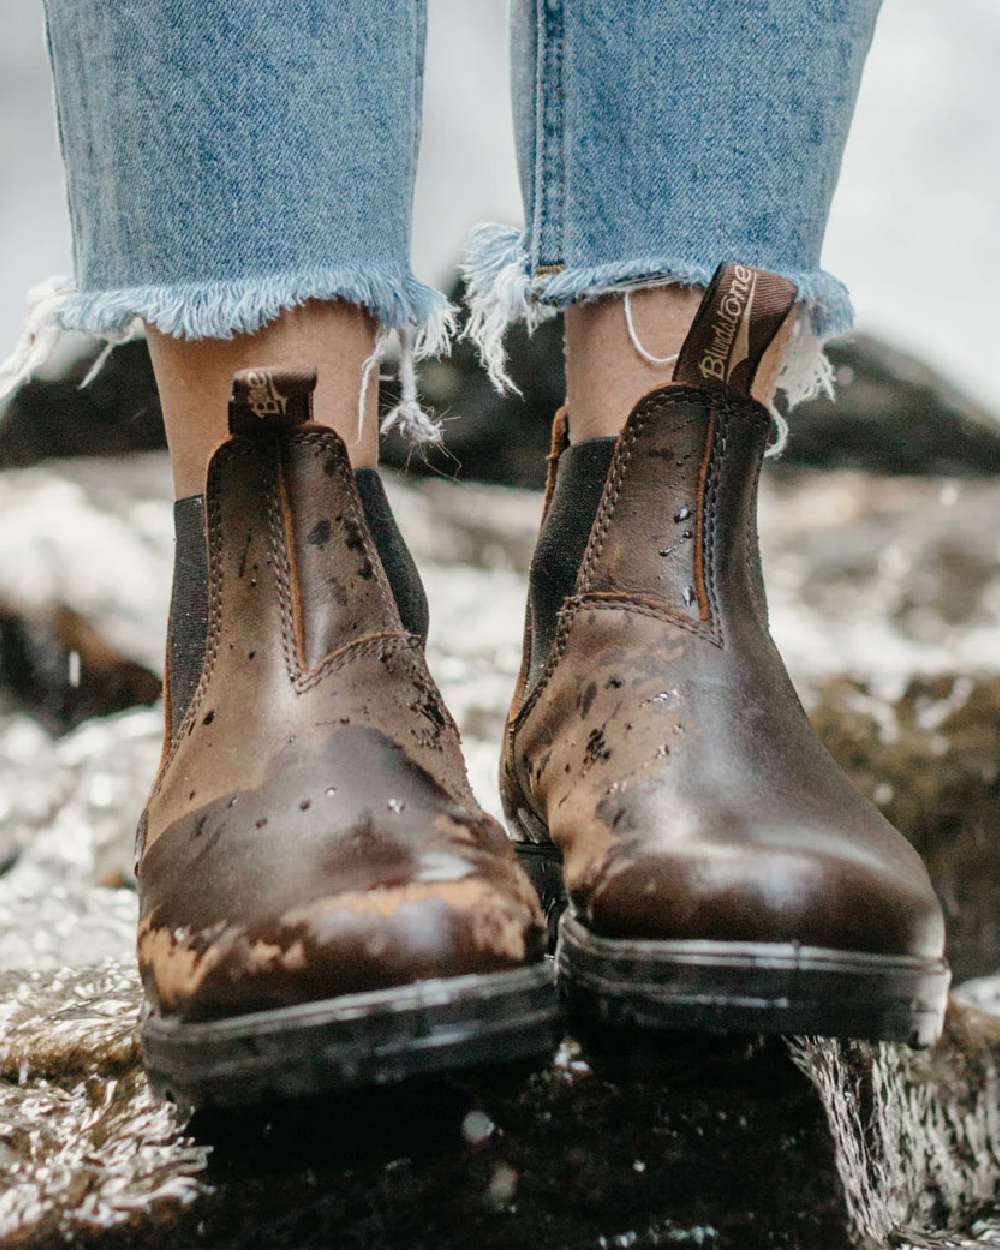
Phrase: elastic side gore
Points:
(580, 478)
(399, 566)
(188, 605)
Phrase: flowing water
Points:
(82, 1139)
(85, 1145)
(916, 1151)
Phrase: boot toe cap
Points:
(347, 943)
(741, 893)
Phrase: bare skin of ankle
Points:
(605, 375)
(195, 379)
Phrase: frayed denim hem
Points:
(500, 291)
(422, 317)
(221, 310)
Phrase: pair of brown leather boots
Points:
(324, 902)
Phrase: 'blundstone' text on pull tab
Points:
(270, 399)
(739, 316)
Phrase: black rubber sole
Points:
(735, 987)
(354, 1040)
(769, 988)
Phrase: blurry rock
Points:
(93, 535)
(68, 812)
(882, 576)
(893, 414)
(930, 758)
(40, 925)
(57, 665)
(52, 416)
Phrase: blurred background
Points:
(879, 527)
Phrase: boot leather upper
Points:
(659, 743)
(311, 831)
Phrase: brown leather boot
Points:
(323, 902)
(658, 768)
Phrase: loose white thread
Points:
(40, 335)
(637, 342)
(805, 372)
(134, 331)
(497, 293)
(370, 366)
(780, 440)
(416, 425)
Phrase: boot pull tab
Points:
(741, 312)
(270, 399)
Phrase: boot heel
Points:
(544, 866)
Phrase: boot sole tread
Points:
(354, 1040)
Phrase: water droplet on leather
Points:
(477, 1127)
(395, 805)
(683, 514)
(689, 595)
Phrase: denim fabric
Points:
(656, 140)
(228, 158)
(684, 134)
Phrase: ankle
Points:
(620, 348)
(606, 371)
(195, 378)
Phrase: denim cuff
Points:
(502, 288)
(422, 317)
(223, 309)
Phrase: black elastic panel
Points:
(188, 604)
(407, 588)
(583, 470)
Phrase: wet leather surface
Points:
(312, 831)
(188, 606)
(664, 749)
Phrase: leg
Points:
(658, 771)
(606, 376)
(195, 377)
(652, 149)
(251, 218)
(615, 354)
(311, 855)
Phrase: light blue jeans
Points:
(226, 159)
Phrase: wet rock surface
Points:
(885, 596)
(697, 1143)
